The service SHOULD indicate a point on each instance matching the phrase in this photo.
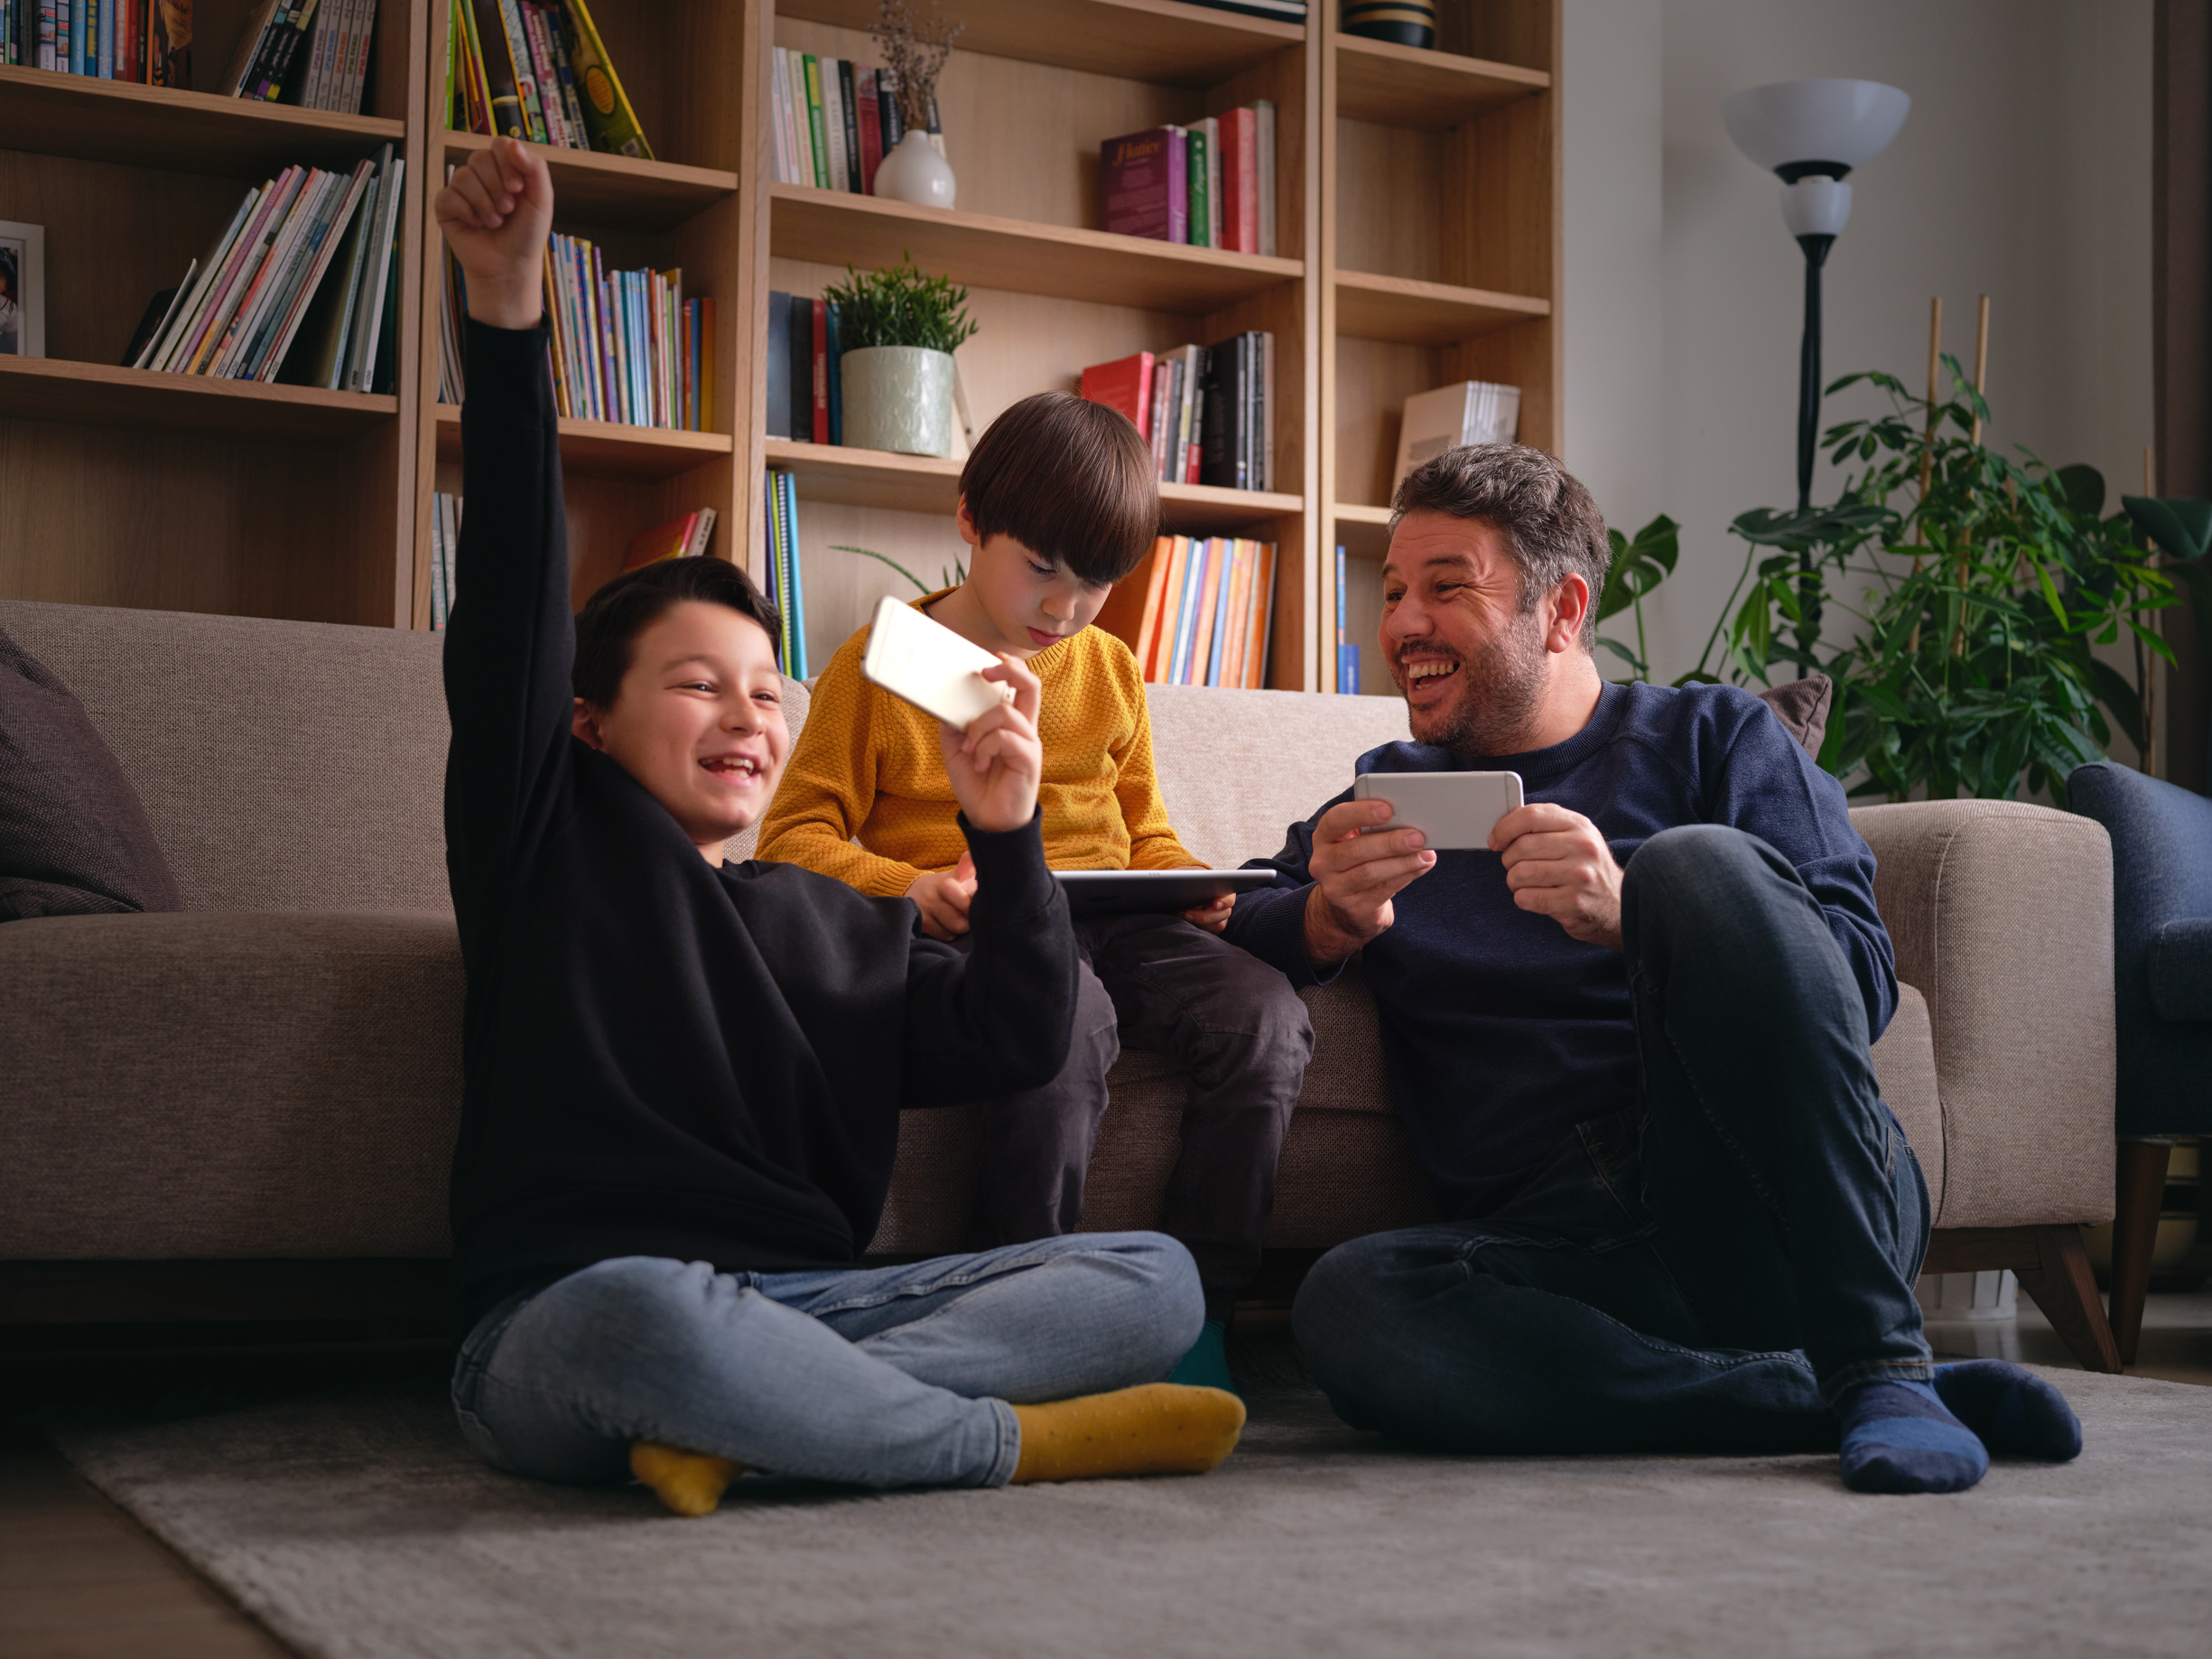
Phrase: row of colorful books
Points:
(784, 589)
(835, 121)
(1347, 648)
(1198, 611)
(627, 346)
(1207, 410)
(141, 40)
(536, 70)
(310, 53)
(444, 544)
(805, 399)
(1210, 184)
(687, 537)
(302, 287)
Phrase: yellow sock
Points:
(1158, 1429)
(691, 1483)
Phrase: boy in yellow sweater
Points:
(1058, 502)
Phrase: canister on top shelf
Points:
(1403, 23)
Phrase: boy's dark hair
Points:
(613, 618)
(1069, 479)
(1544, 513)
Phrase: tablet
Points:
(1453, 810)
(930, 666)
(1114, 892)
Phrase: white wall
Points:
(2023, 171)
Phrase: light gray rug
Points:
(359, 1526)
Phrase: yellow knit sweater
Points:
(867, 766)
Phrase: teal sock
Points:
(1206, 1365)
(2014, 1412)
(1900, 1436)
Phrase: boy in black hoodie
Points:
(683, 1078)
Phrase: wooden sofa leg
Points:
(2065, 1288)
(2141, 1190)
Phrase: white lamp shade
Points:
(1847, 122)
(1817, 207)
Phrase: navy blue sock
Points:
(1898, 1437)
(2014, 1412)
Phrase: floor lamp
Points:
(1812, 134)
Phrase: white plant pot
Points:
(915, 173)
(899, 398)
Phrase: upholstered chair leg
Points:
(2064, 1286)
(2135, 1230)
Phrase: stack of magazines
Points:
(300, 285)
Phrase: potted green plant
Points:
(900, 330)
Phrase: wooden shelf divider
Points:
(618, 189)
(1159, 41)
(101, 394)
(830, 228)
(607, 449)
(1405, 85)
(1420, 314)
(51, 114)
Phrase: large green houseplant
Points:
(1974, 589)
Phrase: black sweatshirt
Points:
(662, 1057)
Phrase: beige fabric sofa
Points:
(273, 1075)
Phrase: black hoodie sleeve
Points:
(510, 638)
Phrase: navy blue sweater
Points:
(1501, 1032)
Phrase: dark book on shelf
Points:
(802, 366)
(779, 364)
(490, 36)
(156, 315)
(1144, 184)
(850, 117)
(818, 381)
(1277, 11)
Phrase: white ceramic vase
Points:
(915, 173)
(899, 398)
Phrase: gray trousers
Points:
(1241, 1035)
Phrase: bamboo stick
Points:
(1928, 455)
(1981, 382)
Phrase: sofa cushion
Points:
(1802, 706)
(2182, 969)
(74, 839)
(222, 1085)
(286, 766)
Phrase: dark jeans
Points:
(1240, 1034)
(1705, 1270)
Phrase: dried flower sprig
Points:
(915, 52)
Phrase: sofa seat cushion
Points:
(2182, 969)
(74, 839)
(219, 1084)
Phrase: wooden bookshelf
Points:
(1418, 242)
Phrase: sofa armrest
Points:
(212, 1085)
(2000, 914)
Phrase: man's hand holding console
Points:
(684, 1077)
(1628, 1042)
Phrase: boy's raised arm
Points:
(511, 639)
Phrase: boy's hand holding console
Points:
(1368, 849)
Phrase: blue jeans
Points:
(891, 1376)
(1703, 1272)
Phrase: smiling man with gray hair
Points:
(1629, 1043)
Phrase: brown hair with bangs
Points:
(1069, 479)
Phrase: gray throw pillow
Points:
(74, 839)
(1802, 708)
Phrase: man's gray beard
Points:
(1493, 713)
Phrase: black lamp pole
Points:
(1808, 432)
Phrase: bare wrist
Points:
(1327, 940)
(507, 311)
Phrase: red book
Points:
(1241, 181)
(871, 125)
(1143, 188)
(668, 541)
(821, 372)
(1124, 384)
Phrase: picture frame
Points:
(23, 289)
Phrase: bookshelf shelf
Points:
(830, 228)
(603, 448)
(923, 484)
(1363, 532)
(1157, 40)
(614, 190)
(94, 394)
(1404, 86)
(176, 132)
(1418, 313)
